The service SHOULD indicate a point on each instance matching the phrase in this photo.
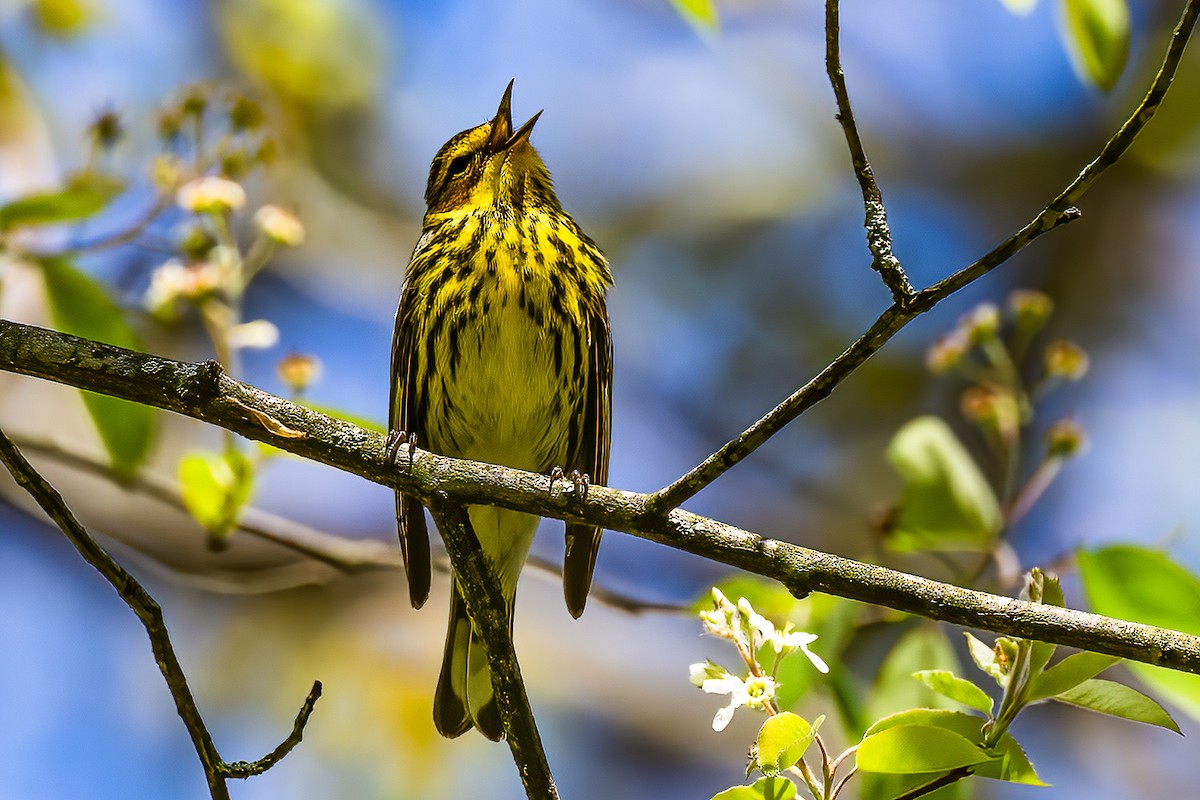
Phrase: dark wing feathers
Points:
(590, 456)
(403, 413)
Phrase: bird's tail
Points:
(464, 692)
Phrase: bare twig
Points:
(480, 590)
(204, 392)
(150, 613)
(1060, 211)
(879, 237)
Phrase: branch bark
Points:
(1060, 211)
(204, 392)
(216, 770)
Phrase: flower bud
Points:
(1065, 439)
(947, 352)
(106, 129)
(280, 225)
(1030, 308)
(166, 172)
(298, 371)
(244, 114)
(980, 322)
(1065, 360)
(210, 195)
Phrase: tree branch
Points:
(485, 605)
(1060, 211)
(150, 613)
(204, 392)
(879, 237)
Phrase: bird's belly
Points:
(507, 398)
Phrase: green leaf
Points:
(908, 749)
(947, 684)
(85, 195)
(782, 740)
(1097, 38)
(1118, 700)
(770, 788)
(1069, 673)
(947, 503)
(1142, 585)
(82, 307)
(700, 14)
(922, 647)
(215, 487)
(1009, 761)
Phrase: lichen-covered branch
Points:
(1061, 210)
(216, 771)
(204, 392)
(879, 236)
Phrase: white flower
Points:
(761, 629)
(279, 225)
(790, 640)
(755, 692)
(259, 334)
(210, 194)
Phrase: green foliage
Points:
(1097, 37)
(216, 486)
(766, 788)
(85, 195)
(700, 14)
(914, 749)
(1144, 585)
(947, 684)
(1069, 673)
(947, 503)
(782, 741)
(81, 306)
(923, 647)
(1117, 700)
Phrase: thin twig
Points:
(150, 613)
(480, 590)
(879, 237)
(1060, 211)
(953, 776)
(247, 769)
(204, 392)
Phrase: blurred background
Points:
(710, 169)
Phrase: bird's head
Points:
(489, 166)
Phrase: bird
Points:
(501, 353)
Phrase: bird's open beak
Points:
(503, 136)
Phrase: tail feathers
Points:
(583, 543)
(464, 697)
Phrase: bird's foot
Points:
(395, 441)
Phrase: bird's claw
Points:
(397, 440)
(556, 473)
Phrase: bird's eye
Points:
(458, 165)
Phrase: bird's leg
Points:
(396, 440)
(581, 482)
(556, 473)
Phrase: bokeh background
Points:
(710, 169)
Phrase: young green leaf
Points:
(215, 487)
(1143, 585)
(908, 749)
(81, 306)
(782, 740)
(947, 684)
(1118, 700)
(1069, 673)
(85, 195)
(769, 788)
(947, 503)
(700, 14)
(1097, 38)
(1012, 765)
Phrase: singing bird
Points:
(501, 353)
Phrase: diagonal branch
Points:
(485, 605)
(879, 237)
(202, 391)
(216, 771)
(1059, 212)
